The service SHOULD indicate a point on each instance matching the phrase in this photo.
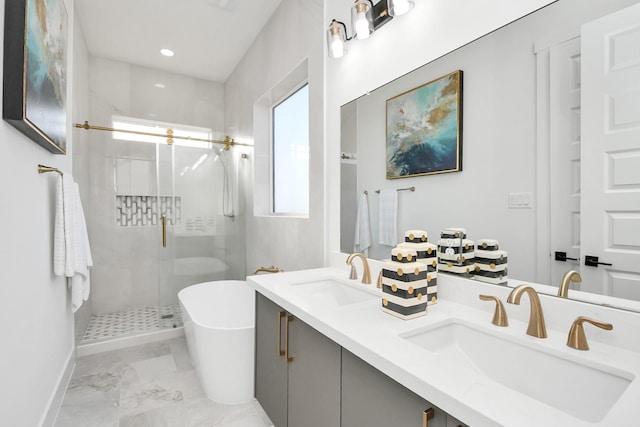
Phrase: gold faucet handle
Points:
(354, 274)
(272, 269)
(500, 314)
(366, 272)
(577, 339)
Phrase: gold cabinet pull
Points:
(286, 339)
(426, 416)
(281, 316)
(164, 231)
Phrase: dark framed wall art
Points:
(35, 70)
(424, 129)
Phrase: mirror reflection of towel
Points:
(362, 239)
(388, 218)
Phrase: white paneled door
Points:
(564, 146)
(610, 155)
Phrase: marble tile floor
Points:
(151, 385)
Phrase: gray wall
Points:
(37, 343)
(498, 148)
(499, 138)
(293, 33)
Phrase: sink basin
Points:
(330, 292)
(574, 385)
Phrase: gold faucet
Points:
(570, 276)
(577, 339)
(366, 275)
(536, 326)
(272, 269)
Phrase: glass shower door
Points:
(192, 246)
(168, 218)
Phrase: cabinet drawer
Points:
(371, 398)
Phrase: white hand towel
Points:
(71, 251)
(63, 249)
(59, 248)
(80, 280)
(362, 239)
(388, 218)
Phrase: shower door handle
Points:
(164, 231)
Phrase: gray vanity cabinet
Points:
(453, 422)
(297, 377)
(271, 368)
(372, 399)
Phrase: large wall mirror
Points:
(550, 143)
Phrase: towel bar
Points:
(402, 189)
(45, 169)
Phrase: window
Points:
(147, 126)
(290, 154)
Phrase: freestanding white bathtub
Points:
(219, 324)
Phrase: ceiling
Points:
(209, 37)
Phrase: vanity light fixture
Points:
(400, 7)
(167, 52)
(337, 39)
(366, 18)
(362, 19)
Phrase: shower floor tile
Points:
(126, 323)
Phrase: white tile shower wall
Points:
(144, 211)
(129, 259)
(294, 32)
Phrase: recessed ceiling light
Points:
(166, 52)
(159, 85)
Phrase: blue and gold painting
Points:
(424, 129)
(46, 69)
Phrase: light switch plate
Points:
(520, 200)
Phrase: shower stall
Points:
(162, 213)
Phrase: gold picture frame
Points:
(424, 129)
(35, 70)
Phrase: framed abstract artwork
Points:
(35, 70)
(424, 129)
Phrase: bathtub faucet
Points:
(272, 269)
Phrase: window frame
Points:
(279, 101)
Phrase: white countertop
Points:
(365, 330)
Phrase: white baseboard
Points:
(49, 417)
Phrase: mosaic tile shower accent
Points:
(126, 323)
(143, 211)
(200, 223)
